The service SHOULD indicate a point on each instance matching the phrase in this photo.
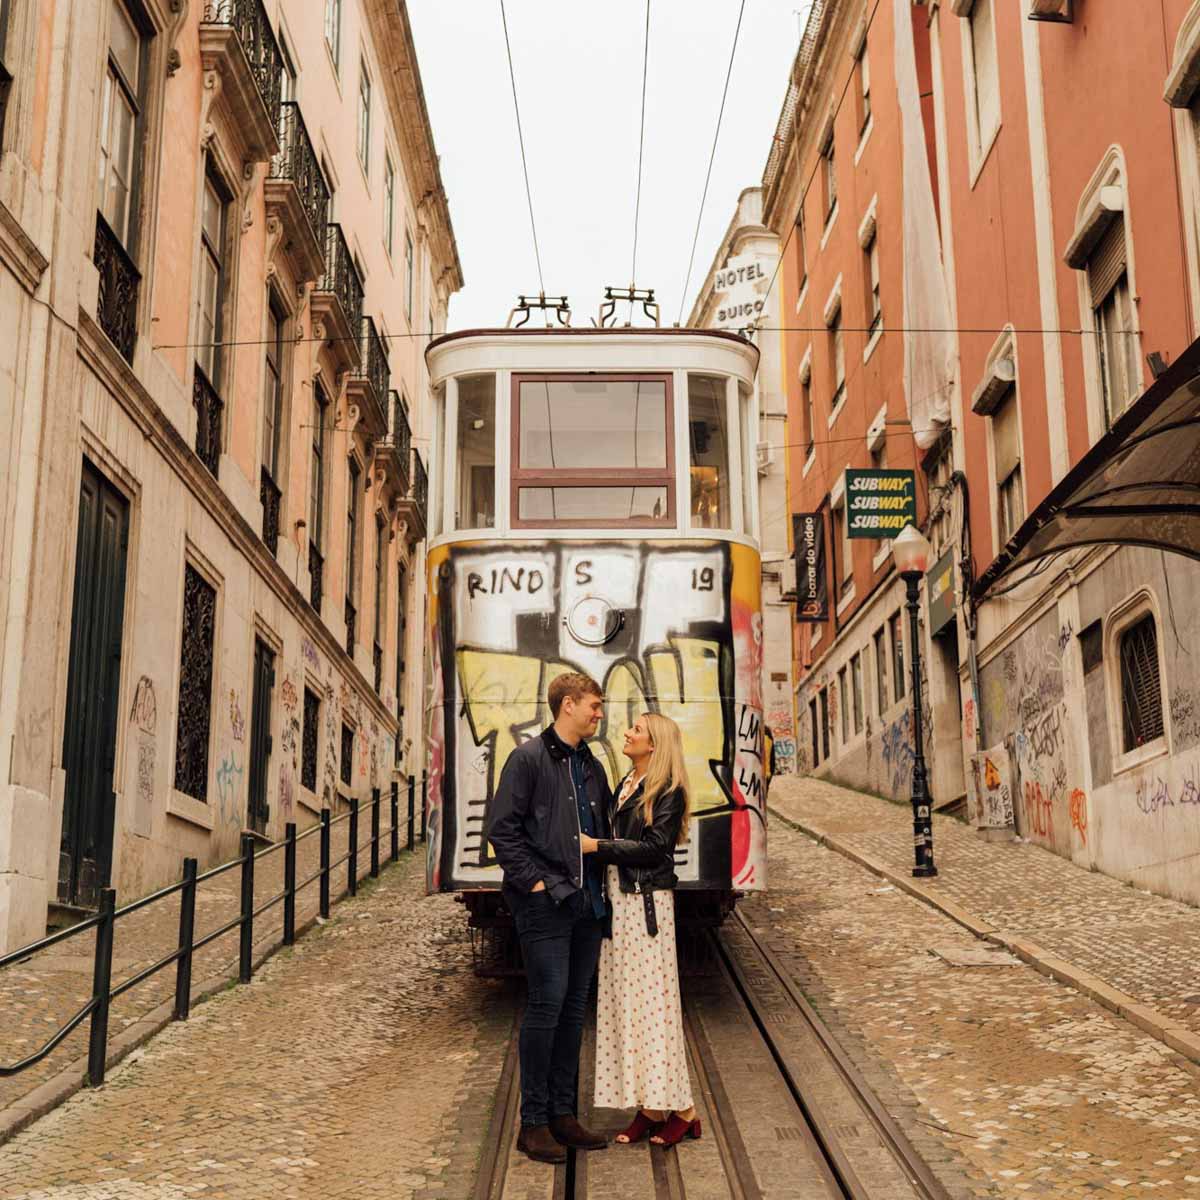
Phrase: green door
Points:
(93, 682)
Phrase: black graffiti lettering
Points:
(583, 571)
(529, 580)
(537, 581)
(751, 784)
(474, 584)
(508, 579)
(703, 579)
(749, 729)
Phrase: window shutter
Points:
(1141, 689)
(1106, 263)
(1006, 436)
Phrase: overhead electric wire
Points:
(512, 75)
(637, 205)
(711, 159)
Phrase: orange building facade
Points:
(1060, 145)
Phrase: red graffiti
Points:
(1039, 811)
(1079, 813)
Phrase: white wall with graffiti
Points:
(674, 627)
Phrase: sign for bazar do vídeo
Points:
(812, 592)
(879, 503)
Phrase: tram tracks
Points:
(785, 1113)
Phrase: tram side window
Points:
(708, 437)
(593, 451)
(475, 446)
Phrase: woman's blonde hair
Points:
(666, 770)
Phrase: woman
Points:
(641, 1057)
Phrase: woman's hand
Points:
(588, 844)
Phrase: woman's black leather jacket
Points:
(644, 854)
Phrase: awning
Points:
(1139, 485)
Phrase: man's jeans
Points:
(560, 944)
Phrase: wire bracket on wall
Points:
(559, 305)
(614, 295)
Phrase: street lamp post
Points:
(910, 550)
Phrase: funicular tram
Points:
(592, 507)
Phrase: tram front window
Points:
(593, 450)
(476, 447)
(708, 435)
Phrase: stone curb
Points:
(59, 1088)
(1149, 1020)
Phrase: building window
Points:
(594, 449)
(289, 77)
(983, 92)
(213, 285)
(708, 439)
(475, 506)
(844, 547)
(364, 117)
(380, 600)
(311, 738)
(837, 359)
(856, 687)
(844, 705)
(333, 30)
(401, 632)
(347, 763)
(1006, 443)
(195, 685)
(273, 389)
(824, 698)
(871, 284)
(119, 119)
(937, 468)
(881, 670)
(408, 274)
(829, 176)
(1116, 341)
(1141, 688)
(351, 552)
(801, 252)
(897, 636)
(389, 202)
(316, 495)
(807, 415)
(815, 731)
(863, 70)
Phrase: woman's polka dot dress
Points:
(641, 1056)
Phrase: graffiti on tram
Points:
(664, 627)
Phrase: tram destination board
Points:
(879, 503)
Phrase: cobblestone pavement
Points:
(362, 1063)
(1144, 945)
(1009, 1082)
(39, 995)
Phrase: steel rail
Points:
(24, 952)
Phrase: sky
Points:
(578, 68)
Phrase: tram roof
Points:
(567, 332)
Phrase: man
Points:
(552, 791)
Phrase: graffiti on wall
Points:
(989, 793)
(670, 629)
(779, 720)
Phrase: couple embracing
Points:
(589, 877)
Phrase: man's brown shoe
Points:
(535, 1140)
(569, 1132)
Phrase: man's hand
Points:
(588, 844)
(540, 886)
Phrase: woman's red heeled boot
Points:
(675, 1130)
(641, 1128)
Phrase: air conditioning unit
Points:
(764, 455)
(787, 579)
(1052, 10)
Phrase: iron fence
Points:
(105, 921)
(297, 162)
(316, 571)
(270, 495)
(341, 278)
(374, 368)
(116, 310)
(420, 483)
(249, 20)
(209, 407)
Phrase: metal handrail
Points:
(104, 992)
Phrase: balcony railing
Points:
(209, 407)
(297, 164)
(269, 494)
(378, 659)
(249, 20)
(341, 278)
(119, 283)
(375, 362)
(351, 622)
(316, 571)
(420, 484)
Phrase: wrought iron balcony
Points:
(337, 301)
(316, 571)
(236, 39)
(393, 452)
(414, 498)
(351, 623)
(378, 659)
(420, 484)
(119, 284)
(209, 407)
(367, 388)
(298, 196)
(270, 495)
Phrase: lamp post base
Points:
(924, 872)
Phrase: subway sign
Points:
(879, 503)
